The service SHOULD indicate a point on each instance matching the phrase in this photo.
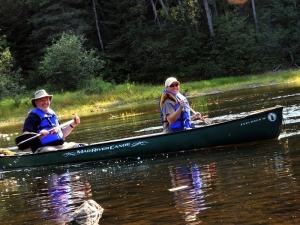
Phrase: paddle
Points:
(25, 141)
(203, 118)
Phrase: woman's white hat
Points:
(171, 80)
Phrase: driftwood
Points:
(293, 63)
(293, 60)
(277, 68)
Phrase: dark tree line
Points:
(145, 41)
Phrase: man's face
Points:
(43, 103)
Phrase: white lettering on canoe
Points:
(253, 121)
(111, 147)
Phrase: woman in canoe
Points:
(174, 108)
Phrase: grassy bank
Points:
(127, 95)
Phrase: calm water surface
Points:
(253, 183)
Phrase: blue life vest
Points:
(48, 121)
(183, 121)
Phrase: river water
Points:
(253, 183)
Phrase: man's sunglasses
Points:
(174, 85)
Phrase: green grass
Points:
(129, 94)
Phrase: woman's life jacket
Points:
(48, 121)
(183, 121)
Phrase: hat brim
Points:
(172, 82)
(33, 100)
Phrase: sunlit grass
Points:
(233, 83)
(128, 95)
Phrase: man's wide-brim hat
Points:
(40, 94)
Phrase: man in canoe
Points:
(174, 108)
(43, 121)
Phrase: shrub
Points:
(68, 66)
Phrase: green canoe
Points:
(255, 126)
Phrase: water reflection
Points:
(65, 190)
(229, 186)
(8, 185)
(191, 184)
(58, 195)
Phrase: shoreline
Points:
(213, 91)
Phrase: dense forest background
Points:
(71, 45)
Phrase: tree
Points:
(51, 18)
(9, 77)
(67, 66)
(209, 19)
(254, 14)
(14, 25)
(97, 27)
(147, 40)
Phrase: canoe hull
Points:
(257, 126)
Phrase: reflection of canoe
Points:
(256, 126)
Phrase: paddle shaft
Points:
(193, 111)
(187, 106)
(12, 148)
(38, 135)
(205, 120)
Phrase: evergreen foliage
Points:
(145, 41)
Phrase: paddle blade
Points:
(25, 141)
(206, 120)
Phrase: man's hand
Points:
(44, 133)
(76, 121)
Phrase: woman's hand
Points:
(182, 104)
(197, 115)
